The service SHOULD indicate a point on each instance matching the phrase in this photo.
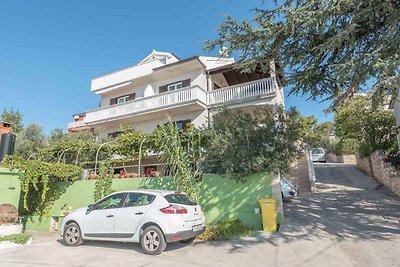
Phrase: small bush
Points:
(20, 239)
(225, 230)
(346, 147)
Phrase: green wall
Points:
(10, 187)
(220, 197)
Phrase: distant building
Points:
(5, 128)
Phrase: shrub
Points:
(20, 239)
(346, 147)
(226, 229)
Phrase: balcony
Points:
(249, 92)
(192, 94)
(76, 124)
(241, 92)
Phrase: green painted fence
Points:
(220, 197)
(10, 187)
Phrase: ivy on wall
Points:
(103, 184)
(38, 182)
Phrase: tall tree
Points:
(372, 128)
(330, 48)
(13, 117)
(29, 141)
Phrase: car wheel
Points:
(153, 241)
(72, 235)
(187, 241)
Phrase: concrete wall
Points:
(220, 197)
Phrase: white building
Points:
(163, 86)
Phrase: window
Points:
(150, 169)
(122, 99)
(180, 199)
(182, 125)
(138, 199)
(112, 202)
(175, 86)
(114, 134)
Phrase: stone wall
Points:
(347, 159)
(364, 165)
(385, 174)
(298, 173)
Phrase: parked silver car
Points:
(289, 189)
(318, 155)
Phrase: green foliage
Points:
(372, 127)
(250, 143)
(13, 117)
(346, 147)
(56, 135)
(20, 239)
(181, 152)
(38, 181)
(311, 133)
(330, 48)
(30, 141)
(225, 230)
(104, 182)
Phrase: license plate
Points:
(197, 228)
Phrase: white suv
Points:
(152, 218)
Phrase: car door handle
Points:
(110, 215)
(139, 213)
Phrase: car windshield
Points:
(180, 199)
(317, 151)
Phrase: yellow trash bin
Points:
(268, 214)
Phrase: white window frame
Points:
(174, 86)
(122, 99)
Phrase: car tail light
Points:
(174, 209)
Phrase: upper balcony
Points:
(189, 95)
(194, 97)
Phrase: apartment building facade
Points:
(164, 87)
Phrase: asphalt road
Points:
(350, 221)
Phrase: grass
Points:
(20, 239)
(225, 230)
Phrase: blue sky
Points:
(50, 50)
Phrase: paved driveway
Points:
(351, 221)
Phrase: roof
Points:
(180, 62)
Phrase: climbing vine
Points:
(103, 184)
(38, 187)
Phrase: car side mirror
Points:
(90, 208)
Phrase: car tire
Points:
(72, 235)
(188, 241)
(152, 241)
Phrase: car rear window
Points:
(180, 199)
(317, 151)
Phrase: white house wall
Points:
(196, 77)
(198, 118)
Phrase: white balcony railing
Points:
(241, 91)
(178, 97)
(76, 124)
(264, 87)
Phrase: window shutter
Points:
(113, 101)
(186, 83)
(162, 89)
(131, 96)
